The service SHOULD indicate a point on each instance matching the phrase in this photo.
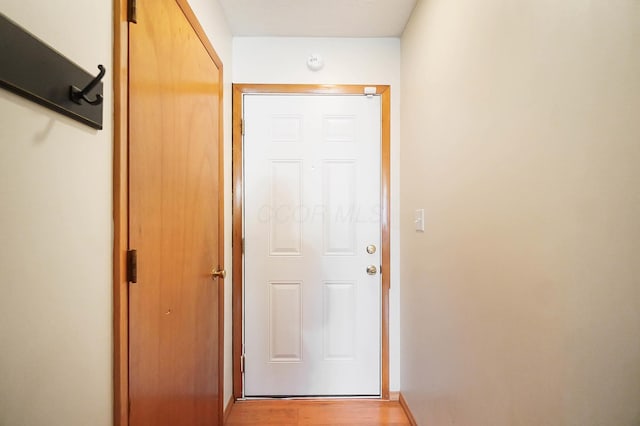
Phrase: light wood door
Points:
(312, 174)
(175, 199)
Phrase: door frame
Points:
(121, 206)
(237, 254)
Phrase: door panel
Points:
(175, 225)
(312, 206)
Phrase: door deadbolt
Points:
(372, 270)
(371, 249)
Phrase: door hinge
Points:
(132, 266)
(242, 126)
(242, 360)
(132, 11)
(242, 245)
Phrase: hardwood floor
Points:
(309, 412)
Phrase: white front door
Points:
(312, 245)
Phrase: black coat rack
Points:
(32, 69)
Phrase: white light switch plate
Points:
(418, 219)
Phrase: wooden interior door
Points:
(175, 220)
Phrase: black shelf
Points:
(32, 69)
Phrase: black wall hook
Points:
(32, 69)
(78, 95)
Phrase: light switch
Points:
(418, 219)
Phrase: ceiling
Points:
(317, 18)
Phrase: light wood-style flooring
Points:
(310, 412)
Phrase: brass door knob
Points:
(372, 270)
(218, 273)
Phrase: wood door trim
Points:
(195, 24)
(121, 206)
(227, 411)
(238, 91)
(120, 214)
(236, 245)
(407, 410)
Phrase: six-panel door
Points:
(312, 231)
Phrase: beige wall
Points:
(283, 60)
(55, 233)
(521, 140)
